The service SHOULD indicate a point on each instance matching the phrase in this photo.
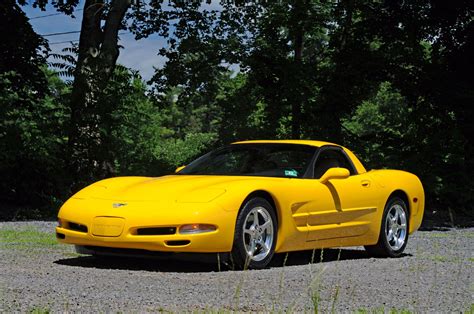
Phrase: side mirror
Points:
(334, 173)
(179, 169)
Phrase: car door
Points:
(344, 205)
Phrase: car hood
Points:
(178, 188)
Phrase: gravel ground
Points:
(435, 275)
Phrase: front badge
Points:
(117, 205)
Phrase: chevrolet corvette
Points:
(250, 199)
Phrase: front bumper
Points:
(103, 226)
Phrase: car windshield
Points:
(266, 160)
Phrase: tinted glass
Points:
(331, 158)
(267, 160)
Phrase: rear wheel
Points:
(393, 236)
(255, 235)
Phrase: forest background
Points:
(391, 80)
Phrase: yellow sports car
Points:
(250, 199)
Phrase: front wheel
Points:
(255, 235)
(393, 236)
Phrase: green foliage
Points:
(177, 152)
(379, 126)
(32, 141)
(144, 136)
(386, 133)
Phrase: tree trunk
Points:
(97, 56)
(299, 17)
(298, 97)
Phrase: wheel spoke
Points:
(395, 238)
(395, 217)
(388, 223)
(264, 246)
(255, 218)
(390, 216)
(266, 224)
(390, 235)
(397, 243)
(252, 248)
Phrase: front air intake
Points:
(156, 231)
(77, 227)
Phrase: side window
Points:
(331, 158)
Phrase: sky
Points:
(141, 55)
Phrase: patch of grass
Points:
(26, 238)
(39, 310)
(471, 310)
(440, 258)
(72, 254)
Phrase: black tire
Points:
(384, 246)
(264, 253)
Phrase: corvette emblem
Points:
(117, 205)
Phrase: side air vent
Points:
(156, 231)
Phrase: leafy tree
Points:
(141, 134)
(30, 117)
(280, 44)
(379, 128)
(387, 133)
(97, 56)
(32, 142)
(21, 50)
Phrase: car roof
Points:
(301, 142)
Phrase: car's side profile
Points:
(251, 199)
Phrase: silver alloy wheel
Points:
(258, 233)
(396, 227)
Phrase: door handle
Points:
(365, 183)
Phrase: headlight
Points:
(196, 228)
